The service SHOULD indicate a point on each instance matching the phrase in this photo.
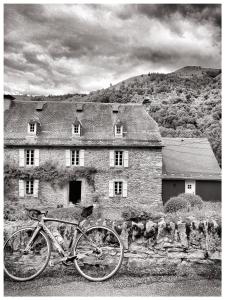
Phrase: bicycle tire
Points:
(103, 261)
(23, 267)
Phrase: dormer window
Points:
(32, 128)
(76, 128)
(119, 130)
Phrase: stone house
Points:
(121, 142)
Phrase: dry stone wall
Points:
(190, 248)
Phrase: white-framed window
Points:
(118, 130)
(32, 127)
(118, 187)
(28, 157)
(29, 187)
(75, 157)
(118, 158)
(76, 129)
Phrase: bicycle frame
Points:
(41, 226)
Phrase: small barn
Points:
(190, 166)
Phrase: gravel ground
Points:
(66, 282)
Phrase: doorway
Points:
(75, 192)
(190, 186)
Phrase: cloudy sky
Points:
(58, 49)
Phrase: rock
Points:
(149, 226)
(136, 255)
(175, 249)
(167, 245)
(161, 227)
(197, 254)
(177, 255)
(124, 235)
(137, 230)
(215, 255)
(182, 233)
(141, 241)
(135, 247)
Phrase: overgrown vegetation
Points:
(49, 173)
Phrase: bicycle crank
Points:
(64, 260)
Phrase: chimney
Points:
(8, 100)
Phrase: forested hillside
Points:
(184, 103)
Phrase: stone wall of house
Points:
(143, 176)
(182, 248)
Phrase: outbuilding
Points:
(190, 166)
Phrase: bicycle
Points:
(97, 251)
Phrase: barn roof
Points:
(97, 119)
(193, 158)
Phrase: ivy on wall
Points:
(49, 173)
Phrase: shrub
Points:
(175, 204)
(183, 202)
(194, 200)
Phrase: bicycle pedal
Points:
(71, 258)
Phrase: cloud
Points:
(56, 49)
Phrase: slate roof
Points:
(189, 158)
(97, 121)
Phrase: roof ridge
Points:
(80, 102)
(186, 138)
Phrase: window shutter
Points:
(36, 184)
(125, 159)
(36, 157)
(111, 188)
(124, 189)
(67, 157)
(21, 188)
(21, 157)
(79, 130)
(111, 158)
(82, 158)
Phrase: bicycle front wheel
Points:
(99, 253)
(23, 265)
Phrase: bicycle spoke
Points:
(99, 254)
(24, 265)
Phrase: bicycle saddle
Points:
(35, 213)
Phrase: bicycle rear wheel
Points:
(99, 253)
(20, 265)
